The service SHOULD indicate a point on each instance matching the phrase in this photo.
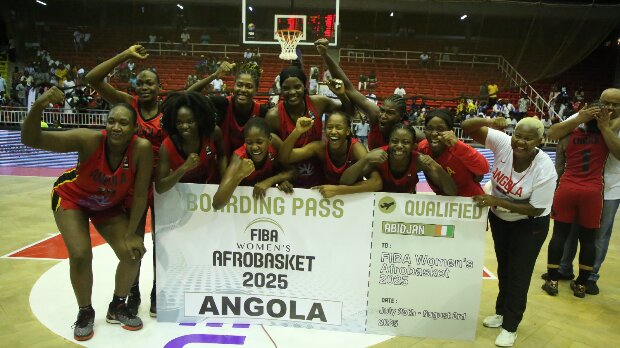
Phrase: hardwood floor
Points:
(562, 321)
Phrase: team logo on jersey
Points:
(125, 163)
(305, 169)
(104, 191)
(271, 156)
(95, 201)
(208, 150)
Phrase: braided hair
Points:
(400, 102)
(252, 69)
(202, 109)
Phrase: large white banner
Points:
(297, 260)
(381, 263)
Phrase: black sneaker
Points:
(592, 288)
(578, 289)
(545, 276)
(551, 287)
(83, 326)
(121, 315)
(133, 302)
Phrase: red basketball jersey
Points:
(404, 184)
(207, 170)
(232, 131)
(332, 172)
(375, 137)
(149, 129)
(309, 172)
(463, 163)
(267, 170)
(586, 155)
(287, 125)
(92, 184)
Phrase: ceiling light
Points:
(392, 14)
(41, 2)
(250, 8)
(179, 6)
(463, 17)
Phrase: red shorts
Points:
(571, 204)
(96, 216)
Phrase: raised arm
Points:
(478, 128)
(224, 69)
(470, 157)
(65, 141)
(437, 174)
(562, 129)
(143, 154)
(238, 170)
(328, 105)
(96, 76)
(609, 135)
(288, 152)
(356, 98)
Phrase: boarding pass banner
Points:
(427, 253)
(304, 261)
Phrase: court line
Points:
(28, 246)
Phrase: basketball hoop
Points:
(288, 40)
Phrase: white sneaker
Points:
(493, 321)
(505, 338)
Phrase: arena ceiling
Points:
(512, 8)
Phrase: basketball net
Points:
(288, 40)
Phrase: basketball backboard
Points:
(314, 18)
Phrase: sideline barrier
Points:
(94, 118)
(380, 263)
(98, 119)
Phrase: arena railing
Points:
(512, 75)
(540, 104)
(365, 55)
(93, 118)
(97, 118)
(162, 48)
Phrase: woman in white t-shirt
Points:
(523, 182)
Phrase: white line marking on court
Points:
(28, 246)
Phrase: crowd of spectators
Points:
(43, 72)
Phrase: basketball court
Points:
(37, 305)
